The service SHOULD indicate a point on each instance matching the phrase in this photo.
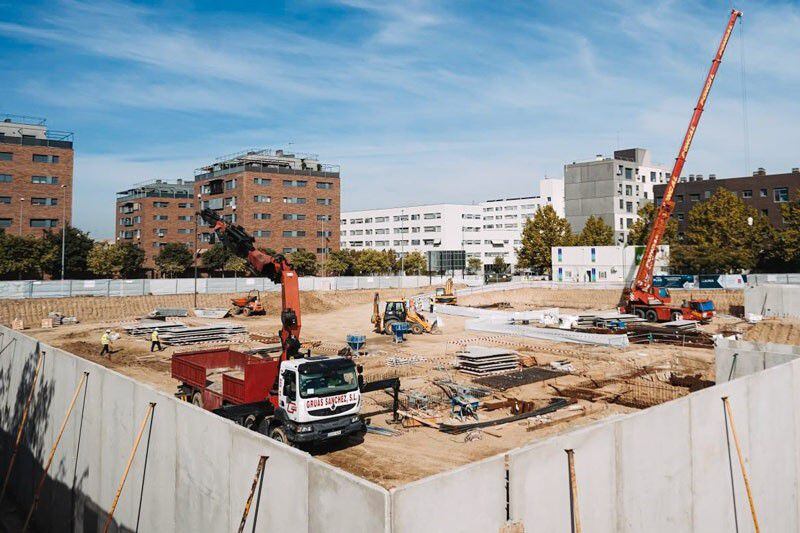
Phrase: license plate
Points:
(335, 433)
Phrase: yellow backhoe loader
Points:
(446, 294)
(398, 310)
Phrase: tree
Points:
(788, 240)
(371, 262)
(104, 260)
(235, 264)
(341, 263)
(23, 257)
(720, 239)
(173, 259)
(545, 230)
(132, 260)
(214, 258)
(640, 230)
(304, 262)
(499, 264)
(474, 265)
(78, 246)
(415, 263)
(596, 233)
(393, 260)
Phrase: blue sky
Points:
(419, 101)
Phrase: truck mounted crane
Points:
(296, 399)
(642, 298)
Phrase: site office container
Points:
(257, 376)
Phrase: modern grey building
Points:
(613, 188)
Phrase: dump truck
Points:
(317, 397)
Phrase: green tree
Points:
(545, 230)
(304, 262)
(173, 259)
(474, 265)
(215, 258)
(104, 260)
(415, 263)
(788, 240)
(393, 259)
(78, 246)
(235, 264)
(596, 233)
(640, 230)
(23, 257)
(132, 260)
(341, 263)
(720, 238)
(499, 264)
(371, 262)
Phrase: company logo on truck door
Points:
(332, 401)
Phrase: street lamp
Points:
(196, 248)
(20, 215)
(63, 232)
(402, 243)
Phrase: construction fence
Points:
(144, 287)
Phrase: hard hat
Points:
(108, 331)
(156, 329)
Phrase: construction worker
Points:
(155, 340)
(105, 340)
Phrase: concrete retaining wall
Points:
(773, 300)
(749, 357)
(199, 467)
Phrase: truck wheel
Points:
(279, 434)
(651, 315)
(250, 422)
(197, 399)
(236, 310)
(639, 312)
(387, 327)
(246, 311)
(416, 329)
(677, 315)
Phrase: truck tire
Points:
(250, 422)
(639, 312)
(387, 327)
(651, 315)
(246, 311)
(279, 434)
(676, 315)
(417, 329)
(197, 399)
(236, 310)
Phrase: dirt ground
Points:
(609, 375)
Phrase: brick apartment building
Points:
(35, 176)
(765, 192)
(288, 202)
(154, 213)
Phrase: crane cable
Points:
(743, 77)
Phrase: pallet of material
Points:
(146, 327)
(681, 325)
(481, 360)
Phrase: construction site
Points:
(512, 406)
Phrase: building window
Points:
(262, 233)
(381, 219)
(44, 180)
(679, 216)
(262, 216)
(652, 177)
(293, 216)
(431, 216)
(5, 222)
(323, 250)
(41, 158)
(185, 218)
(706, 194)
(293, 250)
(629, 207)
(628, 173)
(294, 183)
(159, 232)
(678, 198)
(185, 205)
(747, 194)
(628, 190)
(160, 217)
(5, 178)
(160, 204)
(762, 193)
(294, 233)
(230, 184)
(594, 255)
(261, 199)
(294, 200)
(44, 201)
(324, 201)
(44, 222)
(324, 218)
(185, 231)
(325, 233)
(229, 201)
(262, 181)
(415, 217)
(5, 199)
(324, 185)
(781, 194)
(629, 222)
(695, 197)
(6, 156)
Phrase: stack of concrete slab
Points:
(593, 319)
(146, 327)
(483, 361)
(217, 333)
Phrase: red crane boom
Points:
(642, 291)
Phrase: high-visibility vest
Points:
(105, 339)
(154, 336)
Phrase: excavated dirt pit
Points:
(605, 381)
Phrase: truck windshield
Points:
(317, 379)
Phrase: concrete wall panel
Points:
(654, 487)
(343, 502)
(539, 481)
(467, 499)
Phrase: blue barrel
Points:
(356, 342)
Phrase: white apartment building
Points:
(504, 219)
(484, 231)
(613, 188)
(420, 228)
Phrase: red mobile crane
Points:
(642, 299)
